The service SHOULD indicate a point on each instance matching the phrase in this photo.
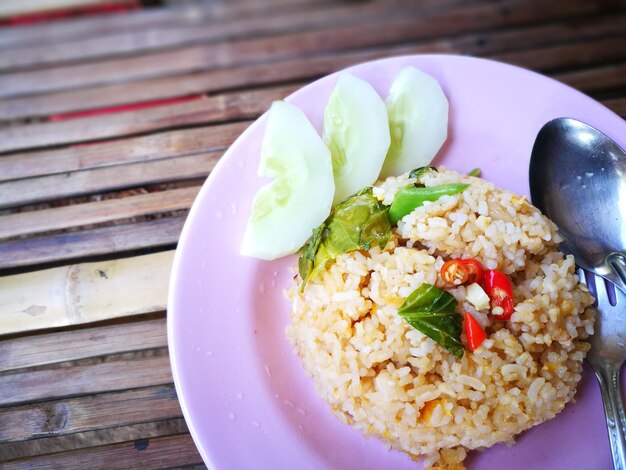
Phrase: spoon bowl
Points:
(578, 179)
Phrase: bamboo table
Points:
(110, 120)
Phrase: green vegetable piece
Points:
(417, 110)
(307, 253)
(411, 197)
(474, 172)
(356, 132)
(422, 170)
(432, 311)
(300, 194)
(359, 222)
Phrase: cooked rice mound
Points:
(389, 380)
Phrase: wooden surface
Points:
(93, 195)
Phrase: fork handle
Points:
(610, 387)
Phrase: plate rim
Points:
(217, 170)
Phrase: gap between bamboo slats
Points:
(150, 39)
(486, 43)
(88, 413)
(113, 375)
(84, 293)
(108, 178)
(98, 212)
(131, 150)
(92, 438)
(219, 108)
(226, 54)
(49, 348)
(116, 239)
(159, 452)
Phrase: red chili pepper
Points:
(454, 272)
(473, 331)
(500, 290)
(462, 271)
(475, 269)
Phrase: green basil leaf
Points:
(359, 222)
(474, 172)
(432, 311)
(410, 197)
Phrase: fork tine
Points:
(601, 292)
(589, 280)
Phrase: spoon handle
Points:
(608, 377)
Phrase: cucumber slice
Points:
(285, 211)
(357, 134)
(418, 121)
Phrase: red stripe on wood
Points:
(63, 14)
(122, 108)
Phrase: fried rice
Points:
(389, 380)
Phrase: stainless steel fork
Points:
(607, 354)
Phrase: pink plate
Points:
(244, 394)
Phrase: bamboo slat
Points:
(482, 17)
(131, 150)
(154, 453)
(597, 79)
(82, 293)
(115, 375)
(31, 190)
(10, 8)
(117, 239)
(63, 346)
(179, 15)
(593, 52)
(77, 215)
(106, 410)
(220, 108)
(52, 32)
(91, 438)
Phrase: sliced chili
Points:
(462, 271)
(473, 332)
(454, 272)
(475, 269)
(500, 290)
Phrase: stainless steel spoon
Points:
(578, 179)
